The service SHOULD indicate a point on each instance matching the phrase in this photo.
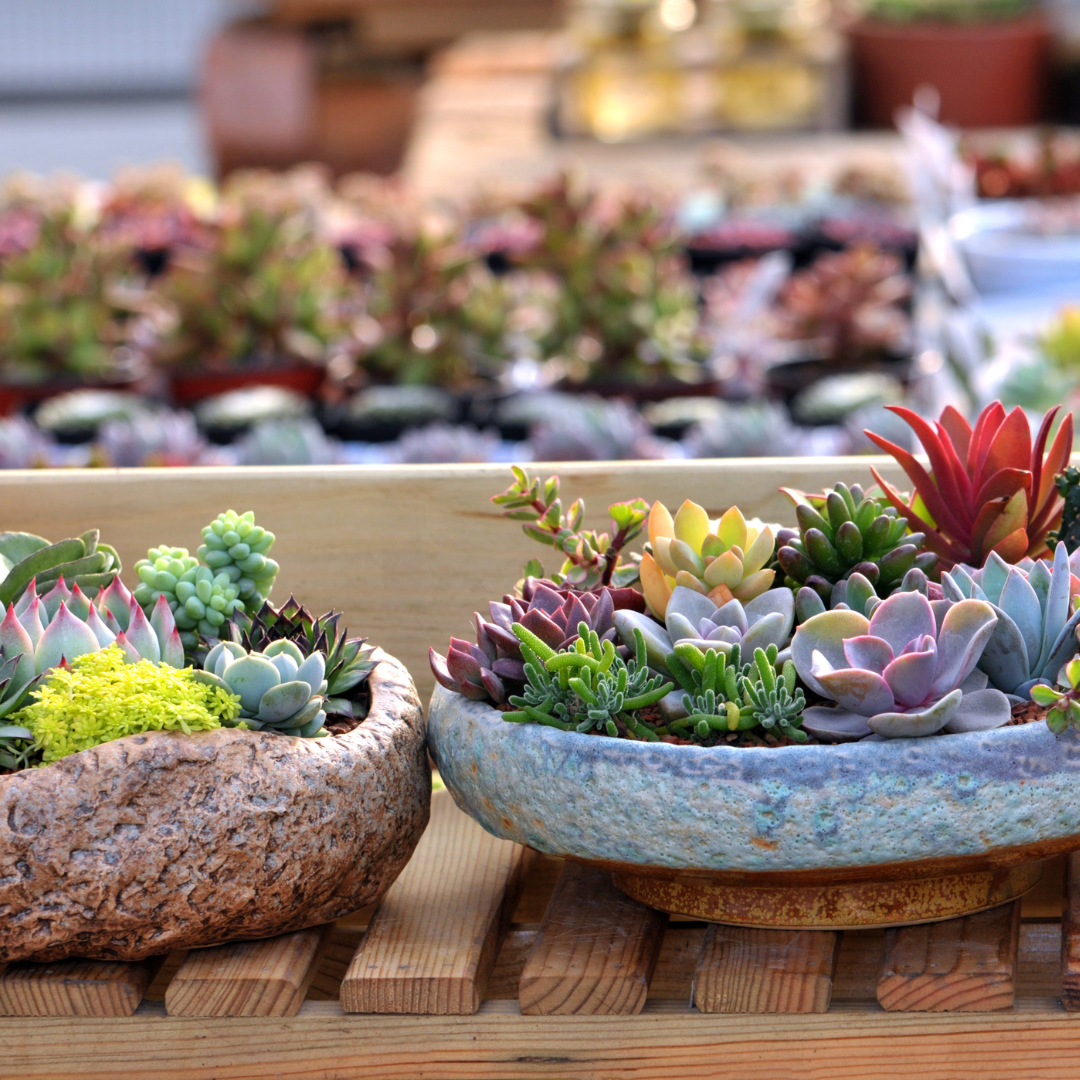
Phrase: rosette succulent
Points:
(1035, 633)
(348, 663)
(280, 690)
(723, 560)
(845, 532)
(552, 613)
(766, 620)
(903, 673)
(988, 488)
(81, 560)
(855, 593)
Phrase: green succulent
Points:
(80, 560)
(1068, 485)
(587, 687)
(17, 750)
(280, 689)
(234, 545)
(348, 663)
(848, 531)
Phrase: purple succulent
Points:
(900, 674)
(550, 612)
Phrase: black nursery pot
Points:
(787, 380)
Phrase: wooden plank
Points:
(320, 1043)
(248, 978)
(1070, 936)
(750, 970)
(961, 965)
(75, 987)
(596, 950)
(391, 514)
(433, 942)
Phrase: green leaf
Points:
(533, 568)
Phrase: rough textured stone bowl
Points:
(164, 841)
(882, 833)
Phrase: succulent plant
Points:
(587, 687)
(1064, 704)
(1035, 634)
(855, 593)
(233, 544)
(442, 443)
(848, 531)
(745, 429)
(766, 620)
(594, 429)
(81, 560)
(725, 695)
(988, 489)
(280, 689)
(591, 558)
(723, 560)
(163, 438)
(1068, 485)
(287, 442)
(902, 673)
(348, 663)
(554, 614)
(17, 750)
(22, 445)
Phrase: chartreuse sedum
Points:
(725, 560)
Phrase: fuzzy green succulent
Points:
(81, 560)
(848, 531)
(587, 687)
(280, 689)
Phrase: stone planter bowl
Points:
(167, 841)
(862, 834)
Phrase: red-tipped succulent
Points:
(987, 489)
(553, 614)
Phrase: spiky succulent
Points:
(553, 613)
(847, 531)
(1068, 486)
(902, 674)
(987, 489)
(348, 663)
(280, 689)
(81, 560)
(723, 559)
(587, 687)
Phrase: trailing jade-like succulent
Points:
(588, 687)
(348, 663)
(231, 575)
(1064, 703)
(724, 695)
(845, 532)
(553, 613)
(766, 620)
(1035, 633)
(902, 674)
(80, 560)
(1068, 486)
(280, 690)
(723, 560)
(592, 559)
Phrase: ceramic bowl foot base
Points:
(833, 907)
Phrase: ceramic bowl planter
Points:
(166, 841)
(864, 834)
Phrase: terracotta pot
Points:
(862, 834)
(990, 74)
(168, 841)
(190, 387)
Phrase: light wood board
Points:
(595, 952)
(433, 942)
(247, 978)
(961, 965)
(75, 988)
(407, 552)
(749, 970)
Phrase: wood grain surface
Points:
(433, 941)
(962, 965)
(247, 978)
(75, 988)
(750, 970)
(407, 552)
(595, 952)
(1070, 937)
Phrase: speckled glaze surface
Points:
(989, 798)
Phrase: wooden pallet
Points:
(487, 961)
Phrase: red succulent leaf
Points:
(573, 612)
(1002, 485)
(442, 674)
(463, 667)
(493, 685)
(1046, 502)
(989, 420)
(958, 430)
(505, 639)
(934, 540)
(1013, 547)
(544, 627)
(483, 641)
(508, 668)
(1010, 447)
(1013, 516)
(546, 599)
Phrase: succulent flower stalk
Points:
(723, 560)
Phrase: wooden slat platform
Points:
(621, 981)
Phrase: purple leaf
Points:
(437, 663)
(854, 690)
(902, 617)
(965, 630)
(824, 633)
(868, 652)
(911, 674)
